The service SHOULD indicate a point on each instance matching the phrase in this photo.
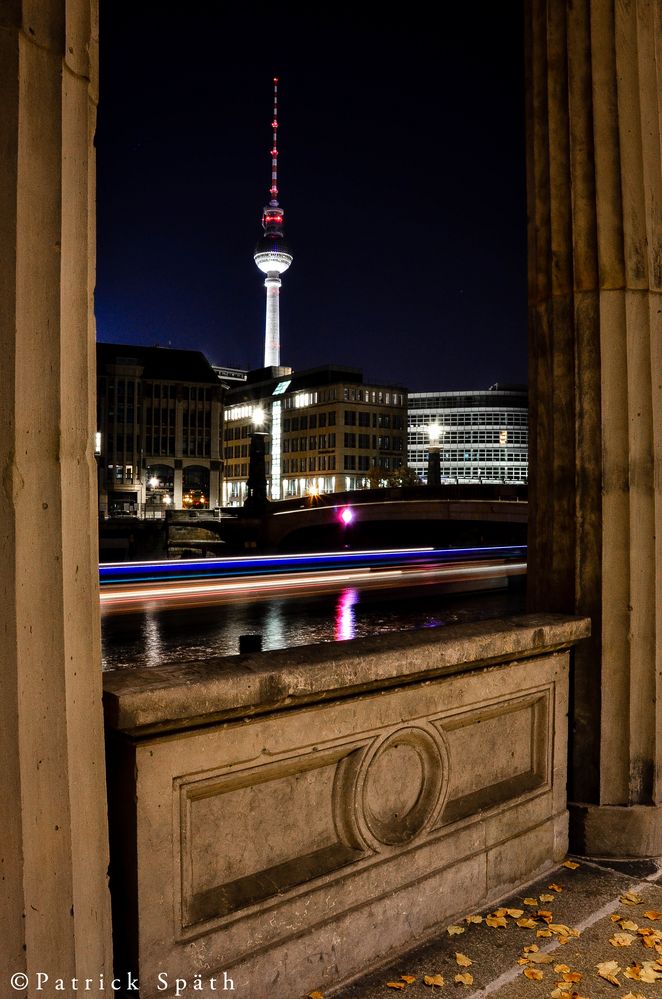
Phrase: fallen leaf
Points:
(515, 913)
(473, 919)
(546, 898)
(634, 995)
(563, 939)
(530, 949)
(543, 933)
(572, 976)
(649, 973)
(455, 930)
(463, 960)
(499, 912)
(555, 887)
(615, 917)
(564, 930)
(631, 898)
(528, 924)
(540, 958)
(396, 985)
(496, 921)
(633, 972)
(570, 864)
(560, 968)
(560, 993)
(530, 901)
(315, 995)
(653, 914)
(522, 960)
(434, 980)
(608, 970)
(627, 924)
(534, 974)
(465, 979)
(621, 939)
(408, 978)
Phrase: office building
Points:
(482, 436)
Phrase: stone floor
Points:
(591, 895)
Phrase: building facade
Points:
(159, 430)
(482, 436)
(326, 431)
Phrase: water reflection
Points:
(152, 637)
(346, 615)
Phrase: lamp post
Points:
(256, 487)
(434, 457)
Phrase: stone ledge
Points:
(616, 830)
(180, 696)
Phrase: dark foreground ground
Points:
(592, 895)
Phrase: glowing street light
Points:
(153, 482)
(346, 515)
(259, 416)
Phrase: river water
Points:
(154, 637)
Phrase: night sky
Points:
(401, 173)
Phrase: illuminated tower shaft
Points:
(272, 283)
(271, 254)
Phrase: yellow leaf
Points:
(465, 979)
(540, 958)
(546, 898)
(545, 914)
(395, 985)
(463, 960)
(621, 939)
(615, 917)
(631, 898)
(315, 995)
(570, 864)
(634, 995)
(564, 930)
(563, 939)
(555, 887)
(530, 949)
(534, 974)
(649, 973)
(522, 960)
(496, 921)
(633, 972)
(608, 970)
(560, 993)
(653, 914)
(530, 901)
(499, 912)
(454, 931)
(473, 919)
(572, 976)
(434, 980)
(543, 933)
(627, 924)
(560, 968)
(515, 913)
(528, 924)
(408, 978)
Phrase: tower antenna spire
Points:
(273, 190)
(272, 255)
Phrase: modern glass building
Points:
(482, 436)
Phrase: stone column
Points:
(595, 281)
(54, 904)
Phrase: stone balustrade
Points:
(293, 818)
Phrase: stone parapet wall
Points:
(295, 817)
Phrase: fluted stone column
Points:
(54, 905)
(595, 292)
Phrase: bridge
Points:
(372, 517)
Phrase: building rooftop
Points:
(159, 363)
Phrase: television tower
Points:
(271, 253)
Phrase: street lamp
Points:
(256, 487)
(434, 457)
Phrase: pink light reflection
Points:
(345, 616)
(347, 515)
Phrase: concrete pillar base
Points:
(616, 830)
